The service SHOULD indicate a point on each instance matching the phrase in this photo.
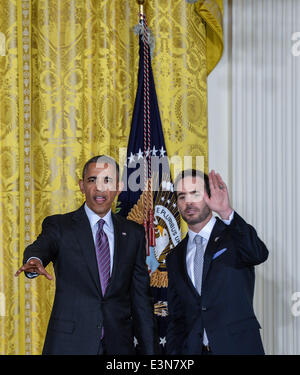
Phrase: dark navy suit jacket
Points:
(80, 310)
(225, 307)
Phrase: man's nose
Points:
(189, 205)
(100, 185)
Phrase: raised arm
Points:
(251, 249)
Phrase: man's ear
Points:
(81, 186)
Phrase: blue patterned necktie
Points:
(103, 255)
(198, 262)
(198, 271)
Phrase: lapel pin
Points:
(124, 234)
(216, 239)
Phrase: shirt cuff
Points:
(228, 221)
(32, 275)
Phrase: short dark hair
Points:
(192, 173)
(104, 159)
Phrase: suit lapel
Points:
(214, 239)
(83, 233)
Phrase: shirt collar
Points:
(205, 232)
(94, 218)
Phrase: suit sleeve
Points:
(176, 329)
(45, 246)
(252, 251)
(142, 302)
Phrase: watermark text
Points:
(296, 305)
(2, 44)
(296, 44)
(2, 304)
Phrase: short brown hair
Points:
(105, 159)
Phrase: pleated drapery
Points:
(68, 78)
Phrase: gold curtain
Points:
(68, 76)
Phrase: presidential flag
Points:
(148, 197)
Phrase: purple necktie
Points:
(103, 255)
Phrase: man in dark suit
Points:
(211, 273)
(102, 297)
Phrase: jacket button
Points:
(204, 308)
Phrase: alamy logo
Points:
(2, 304)
(296, 305)
(296, 45)
(2, 44)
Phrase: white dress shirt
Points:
(108, 228)
(205, 232)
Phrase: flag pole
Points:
(146, 125)
(141, 4)
(148, 204)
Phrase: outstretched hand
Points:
(34, 265)
(219, 199)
